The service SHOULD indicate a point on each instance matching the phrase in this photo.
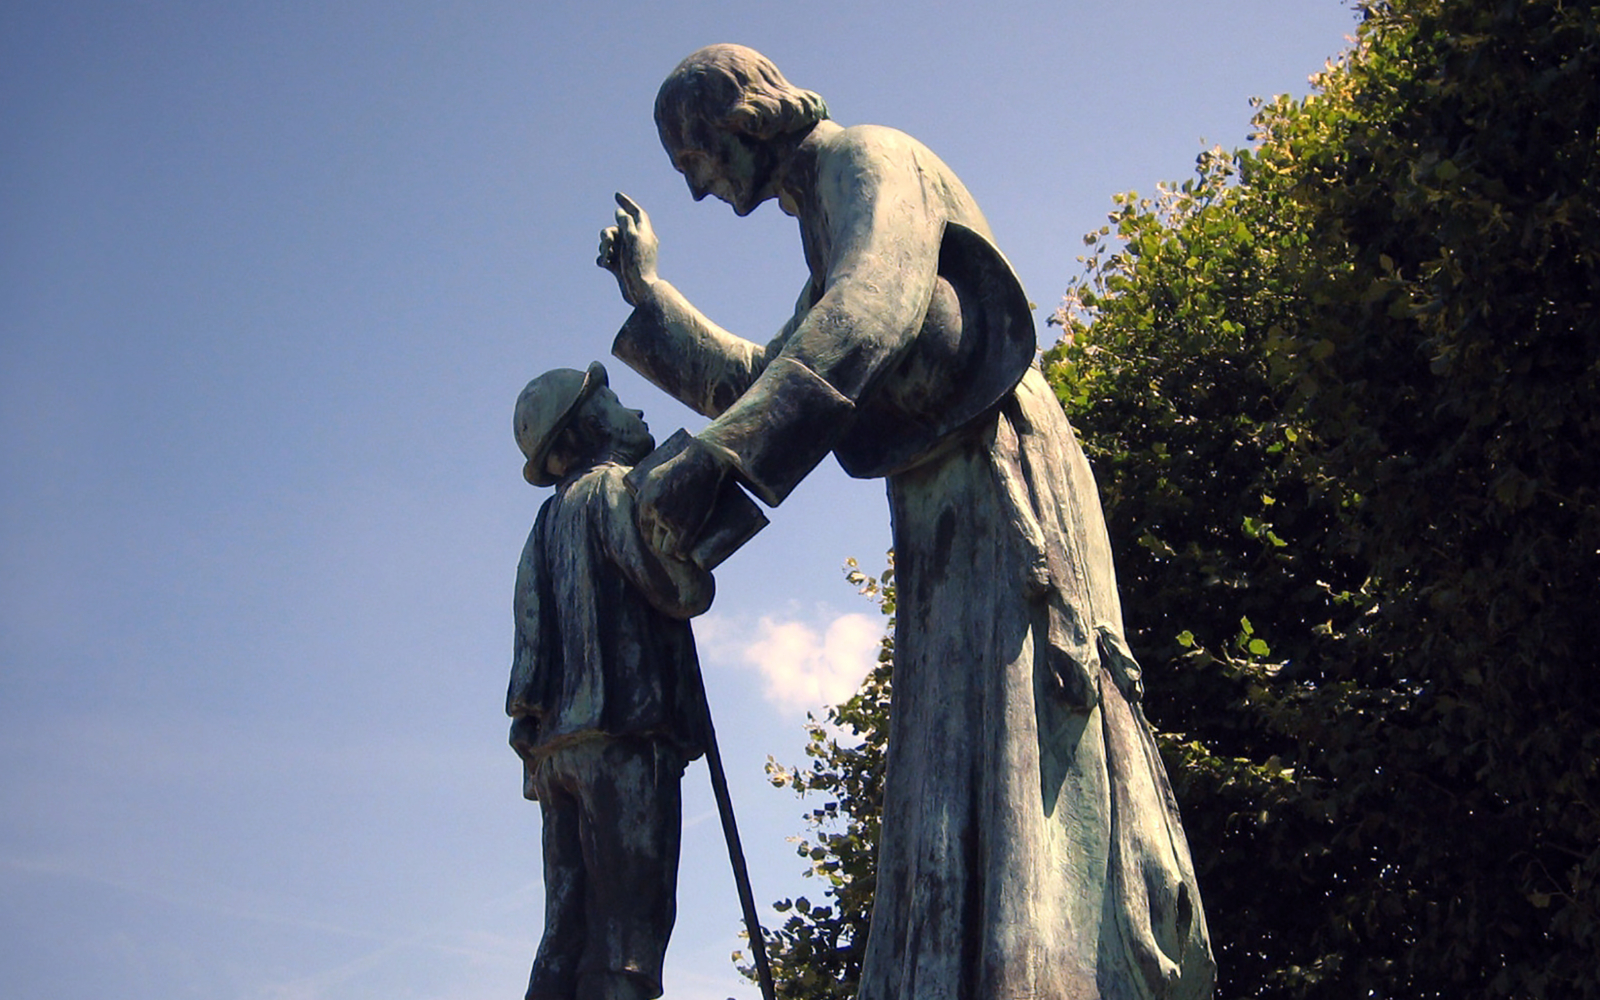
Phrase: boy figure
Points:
(605, 694)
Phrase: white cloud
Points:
(808, 666)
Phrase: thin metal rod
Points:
(741, 874)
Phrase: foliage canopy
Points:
(1342, 393)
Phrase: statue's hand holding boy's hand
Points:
(675, 496)
(628, 251)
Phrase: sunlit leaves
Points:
(1342, 394)
(817, 952)
(1341, 391)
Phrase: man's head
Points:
(720, 114)
(566, 420)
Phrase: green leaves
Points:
(1342, 391)
(817, 952)
(1342, 395)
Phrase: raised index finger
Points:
(629, 205)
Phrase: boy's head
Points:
(567, 419)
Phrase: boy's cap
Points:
(544, 410)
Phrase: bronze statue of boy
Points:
(605, 694)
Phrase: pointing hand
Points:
(628, 251)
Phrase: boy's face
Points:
(628, 433)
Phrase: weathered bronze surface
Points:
(1031, 844)
(605, 694)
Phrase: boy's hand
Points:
(675, 497)
(628, 251)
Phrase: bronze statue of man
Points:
(1031, 845)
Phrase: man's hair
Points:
(736, 89)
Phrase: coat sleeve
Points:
(675, 587)
(689, 357)
(884, 236)
(692, 359)
(535, 652)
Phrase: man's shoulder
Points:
(871, 142)
(875, 156)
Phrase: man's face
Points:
(730, 166)
(629, 434)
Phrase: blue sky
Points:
(271, 278)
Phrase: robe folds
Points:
(1031, 845)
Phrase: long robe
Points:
(1031, 845)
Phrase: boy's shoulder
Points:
(603, 477)
(598, 492)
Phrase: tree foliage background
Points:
(1342, 393)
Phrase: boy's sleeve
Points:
(531, 652)
(675, 587)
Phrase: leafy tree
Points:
(1340, 390)
(1239, 583)
(1452, 379)
(816, 954)
(1371, 341)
